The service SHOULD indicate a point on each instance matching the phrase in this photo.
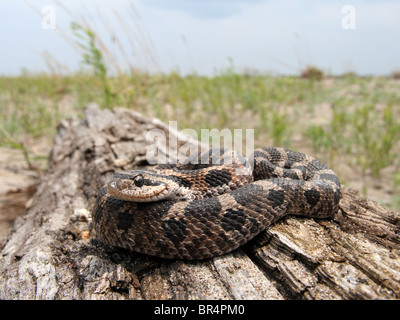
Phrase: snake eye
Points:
(138, 180)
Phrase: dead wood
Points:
(51, 255)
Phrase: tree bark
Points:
(50, 253)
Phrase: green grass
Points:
(30, 104)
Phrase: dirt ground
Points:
(18, 184)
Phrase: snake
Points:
(212, 203)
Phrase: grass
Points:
(31, 103)
(363, 127)
(349, 119)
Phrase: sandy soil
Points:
(18, 184)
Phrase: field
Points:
(352, 123)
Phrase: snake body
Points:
(196, 211)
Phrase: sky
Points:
(204, 36)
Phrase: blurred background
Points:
(319, 77)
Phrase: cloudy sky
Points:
(205, 36)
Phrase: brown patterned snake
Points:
(195, 211)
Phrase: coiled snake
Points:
(196, 210)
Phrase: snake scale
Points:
(197, 210)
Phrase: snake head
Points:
(142, 186)
(137, 187)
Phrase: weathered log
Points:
(50, 254)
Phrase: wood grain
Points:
(51, 254)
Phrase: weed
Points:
(93, 57)
(312, 73)
(395, 74)
(395, 204)
(375, 137)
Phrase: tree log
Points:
(51, 254)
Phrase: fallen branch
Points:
(50, 254)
